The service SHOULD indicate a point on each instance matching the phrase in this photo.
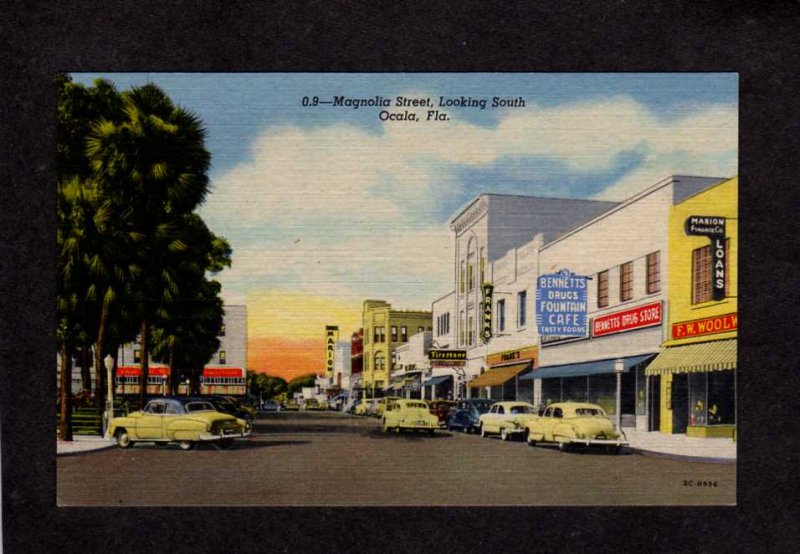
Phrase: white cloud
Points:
(341, 210)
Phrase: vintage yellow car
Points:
(362, 408)
(506, 419)
(408, 414)
(567, 423)
(380, 405)
(187, 421)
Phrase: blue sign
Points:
(561, 304)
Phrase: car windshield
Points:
(521, 410)
(199, 407)
(588, 412)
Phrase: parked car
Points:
(440, 408)
(184, 420)
(271, 406)
(291, 405)
(226, 405)
(506, 419)
(408, 414)
(466, 414)
(380, 404)
(314, 404)
(566, 423)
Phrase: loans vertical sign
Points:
(331, 336)
(712, 227)
(561, 304)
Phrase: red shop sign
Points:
(627, 320)
(135, 370)
(707, 326)
(223, 372)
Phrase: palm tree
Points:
(153, 163)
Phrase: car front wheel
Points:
(224, 444)
(503, 434)
(124, 439)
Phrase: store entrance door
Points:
(654, 423)
(680, 402)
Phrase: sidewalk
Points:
(82, 443)
(681, 447)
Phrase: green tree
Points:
(296, 384)
(152, 163)
(82, 228)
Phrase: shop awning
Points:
(499, 375)
(715, 355)
(436, 380)
(585, 368)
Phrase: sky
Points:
(327, 205)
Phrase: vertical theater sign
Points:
(331, 336)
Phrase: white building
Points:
(624, 252)
(491, 226)
(411, 364)
(225, 372)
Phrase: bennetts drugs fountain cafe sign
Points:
(712, 227)
(561, 304)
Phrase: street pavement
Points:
(331, 459)
(679, 447)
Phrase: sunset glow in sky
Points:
(326, 206)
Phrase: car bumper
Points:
(212, 437)
(599, 442)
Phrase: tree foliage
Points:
(133, 254)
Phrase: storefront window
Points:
(712, 398)
(603, 391)
(574, 389)
(697, 399)
(551, 391)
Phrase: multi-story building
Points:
(512, 350)
(625, 253)
(356, 363)
(693, 378)
(384, 330)
(411, 362)
(485, 231)
(439, 380)
(225, 373)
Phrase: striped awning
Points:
(715, 355)
(499, 375)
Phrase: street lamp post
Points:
(618, 369)
(109, 363)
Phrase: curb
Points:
(681, 457)
(102, 446)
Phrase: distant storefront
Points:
(505, 378)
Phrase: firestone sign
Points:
(561, 304)
(447, 358)
(712, 227)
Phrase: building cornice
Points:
(474, 211)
